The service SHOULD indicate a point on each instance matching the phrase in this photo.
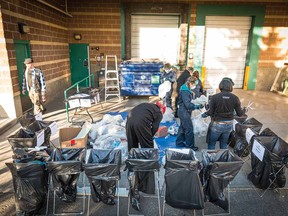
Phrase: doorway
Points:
(79, 63)
(22, 50)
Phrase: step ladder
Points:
(112, 87)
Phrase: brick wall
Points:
(274, 44)
(48, 43)
(99, 24)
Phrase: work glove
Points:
(207, 106)
(245, 109)
(204, 115)
(198, 106)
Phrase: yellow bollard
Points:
(203, 75)
(246, 76)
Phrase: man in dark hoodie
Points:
(221, 110)
(142, 123)
(185, 136)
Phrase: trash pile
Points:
(109, 133)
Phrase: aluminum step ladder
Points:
(112, 87)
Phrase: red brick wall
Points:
(48, 37)
(99, 24)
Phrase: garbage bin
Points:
(64, 170)
(241, 147)
(181, 166)
(232, 137)
(219, 168)
(30, 182)
(140, 78)
(141, 164)
(37, 126)
(103, 170)
(270, 172)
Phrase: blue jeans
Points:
(221, 133)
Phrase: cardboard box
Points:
(69, 138)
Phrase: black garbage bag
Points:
(22, 141)
(182, 167)
(37, 126)
(219, 168)
(65, 169)
(232, 137)
(30, 182)
(271, 170)
(242, 148)
(103, 170)
(26, 119)
(138, 162)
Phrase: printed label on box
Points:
(258, 150)
(40, 138)
(53, 128)
(249, 134)
(85, 102)
(74, 103)
(38, 116)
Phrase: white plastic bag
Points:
(164, 88)
(200, 125)
(168, 116)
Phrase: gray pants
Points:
(36, 100)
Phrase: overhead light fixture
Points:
(77, 36)
(23, 28)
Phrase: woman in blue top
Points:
(185, 136)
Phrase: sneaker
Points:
(195, 148)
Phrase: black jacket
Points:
(182, 79)
(223, 105)
(145, 115)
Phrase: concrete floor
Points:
(271, 110)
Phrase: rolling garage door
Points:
(225, 50)
(155, 37)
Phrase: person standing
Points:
(142, 124)
(199, 87)
(221, 110)
(185, 136)
(168, 75)
(180, 81)
(34, 82)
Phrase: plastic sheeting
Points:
(30, 186)
(65, 169)
(241, 147)
(275, 157)
(180, 167)
(139, 161)
(102, 170)
(220, 168)
(26, 119)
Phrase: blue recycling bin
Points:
(140, 78)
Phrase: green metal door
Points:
(22, 50)
(79, 63)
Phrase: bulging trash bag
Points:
(271, 170)
(30, 182)
(139, 161)
(220, 168)
(65, 168)
(232, 137)
(181, 166)
(102, 170)
(241, 147)
(26, 119)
